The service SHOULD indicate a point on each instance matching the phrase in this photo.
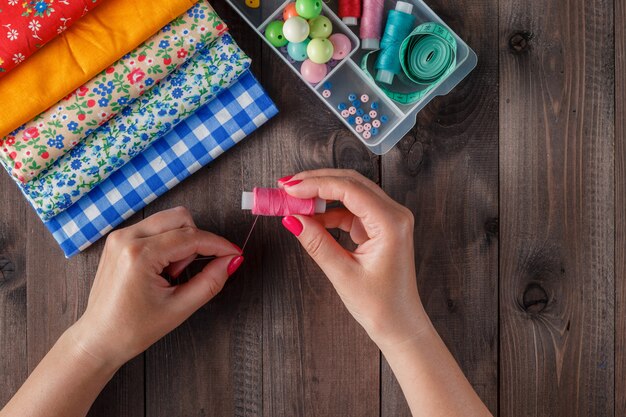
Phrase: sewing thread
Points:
(372, 23)
(398, 27)
(350, 11)
(276, 202)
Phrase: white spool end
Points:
(350, 20)
(384, 76)
(370, 44)
(404, 7)
(320, 205)
(247, 200)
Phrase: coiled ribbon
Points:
(427, 56)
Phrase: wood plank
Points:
(557, 208)
(317, 360)
(13, 361)
(58, 290)
(211, 365)
(446, 172)
(620, 207)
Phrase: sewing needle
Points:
(207, 258)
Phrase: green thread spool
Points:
(426, 56)
(399, 25)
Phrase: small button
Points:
(373, 114)
(367, 127)
(367, 118)
(326, 93)
(345, 113)
(351, 97)
(359, 120)
(367, 135)
(352, 110)
(342, 106)
(359, 128)
(365, 98)
(351, 120)
(360, 112)
(374, 105)
(376, 123)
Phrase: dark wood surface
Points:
(517, 182)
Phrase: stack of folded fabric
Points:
(109, 115)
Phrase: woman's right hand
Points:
(377, 281)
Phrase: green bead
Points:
(320, 50)
(321, 27)
(274, 34)
(309, 8)
(297, 51)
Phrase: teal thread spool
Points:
(399, 25)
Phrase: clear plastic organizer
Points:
(346, 76)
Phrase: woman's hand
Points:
(377, 281)
(131, 305)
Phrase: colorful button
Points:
(356, 103)
(367, 126)
(359, 128)
(345, 113)
(342, 106)
(374, 131)
(352, 110)
(360, 112)
(374, 105)
(367, 118)
(367, 135)
(373, 114)
(376, 123)
(328, 85)
(351, 120)
(326, 93)
(359, 120)
(351, 97)
(365, 98)
(384, 119)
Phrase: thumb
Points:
(207, 283)
(329, 255)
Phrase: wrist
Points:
(86, 348)
(406, 327)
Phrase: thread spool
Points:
(350, 11)
(399, 25)
(371, 24)
(276, 202)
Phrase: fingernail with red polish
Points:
(237, 247)
(293, 225)
(292, 183)
(285, 179)
(234, 265)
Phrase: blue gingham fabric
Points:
(194, 143)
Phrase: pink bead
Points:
(373, 114)
(367, 135)
(326, 93)
(341, 45)
(365, 98)
(359, 128)
(367, 127)
(359, 120)
(345, 114)
(352, 110)
(376, 124)
(312, 72)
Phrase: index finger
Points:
(369, 206)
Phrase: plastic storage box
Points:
(346, 76)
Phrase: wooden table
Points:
(517, 183)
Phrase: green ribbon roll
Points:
(427, 56)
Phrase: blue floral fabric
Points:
(210, 71)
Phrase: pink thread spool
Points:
(372, 24)
(276, 202)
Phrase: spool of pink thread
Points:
(276, 202)
(372, 24)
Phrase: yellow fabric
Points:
(100, 38)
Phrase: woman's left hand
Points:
(131, 305)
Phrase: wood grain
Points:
(557, 208)
(13, 310)
(446, 172)
(620, 208)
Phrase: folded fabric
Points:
(194, 143)
(113, 144)
(30, 24)
(101, 37)
(37, 144)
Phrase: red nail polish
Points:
(285, 179)
(293, 225)
(234, 264)
(237, 247)
(292, 183)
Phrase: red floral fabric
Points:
(26, 25)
